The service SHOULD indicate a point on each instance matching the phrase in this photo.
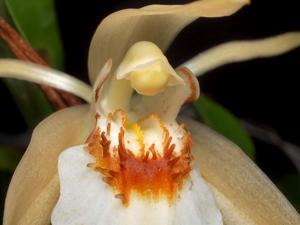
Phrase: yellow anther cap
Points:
(147, 69)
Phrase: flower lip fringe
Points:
(150, 173)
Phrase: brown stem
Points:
(22, 50)
(271, 137)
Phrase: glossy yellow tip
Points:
(147, 69)
(149, 80)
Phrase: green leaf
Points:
(36, 21)
(225, 123)
(4, 13)
(31, 101)
(4, 51)
(290, 186)
(9, 158)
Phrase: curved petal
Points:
(34, 188)
(157, 23)
(243, 192)
(39, 74)
(239, 51)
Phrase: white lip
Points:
(86, 199)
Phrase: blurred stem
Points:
(271, 137)
(22, 50)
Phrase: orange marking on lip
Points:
(108, 124)
(151, 175)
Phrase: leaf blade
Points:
(9, 158)
(34, 19)
(30, 100)
(224, 122)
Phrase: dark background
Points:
(262, 91)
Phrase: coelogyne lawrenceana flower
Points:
(125, 158)
(137, 162)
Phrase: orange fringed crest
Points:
(151, 175)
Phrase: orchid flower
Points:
(124, 158)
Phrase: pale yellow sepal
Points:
(34, 188)
(239, 51)
(243, 192)
(17, 69)
(156, 23)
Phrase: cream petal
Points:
(239, 51)
(34, 188)
(158, 23)
(244, 193)
(39, 74)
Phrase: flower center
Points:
(148, 158)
